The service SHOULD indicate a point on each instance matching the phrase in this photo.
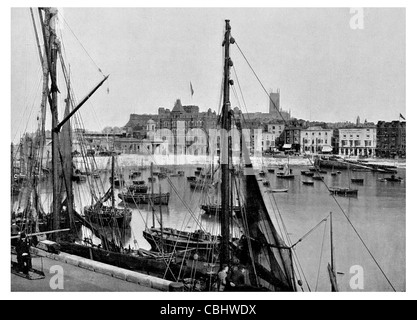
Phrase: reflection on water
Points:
(378, 213)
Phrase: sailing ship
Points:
(108, 216)
(287, 174)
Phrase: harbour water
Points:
(378, 214)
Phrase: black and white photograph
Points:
(207, 150)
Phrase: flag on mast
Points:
(191, 89)
(402, 117)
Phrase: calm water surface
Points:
(378, 214)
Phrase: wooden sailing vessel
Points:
(108, 216)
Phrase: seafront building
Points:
(391, 139)
(358, 141)
(316, 140)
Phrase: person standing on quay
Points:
(222, 278)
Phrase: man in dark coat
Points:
(24, 260)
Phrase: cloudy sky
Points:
(324, 69)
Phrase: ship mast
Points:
(51, 50)
(225, 153)
(332, 265)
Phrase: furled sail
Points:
(271, 258)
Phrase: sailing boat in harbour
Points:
(108, 216)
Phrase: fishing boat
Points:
(308, 183)
(108, 216)
(138, 182)
(277, 191)
(358, 180)
(162, 175)
(135, 188)
(105, 216)
(307, 173)
(345, 192)
(393, 178)
(145, 198)
(286, 176)
(318, 178)
(288, 173)
(178, 174)
(135, 174)
(171, 240)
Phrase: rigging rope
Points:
(98, 68)
(273, 102)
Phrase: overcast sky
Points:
(324, 69)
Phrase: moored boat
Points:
(319, 178)
(106, 216)
(308, 183)
(393, 178)
(277, 190)
(345, 192)
(145, 198)
(307, 173)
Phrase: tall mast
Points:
(152, 197)
(51, 49)
(332, 265)
(225, 153)
(112, 181)
(11, 164)
(160, 217)
(45, 90)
